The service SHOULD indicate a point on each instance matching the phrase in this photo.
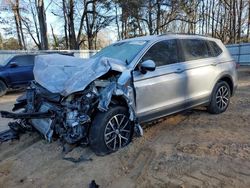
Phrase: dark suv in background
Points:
(17, 71)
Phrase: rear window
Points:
(195, 49)
(216, 49)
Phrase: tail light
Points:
(237, 65)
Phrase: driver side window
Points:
(163, 53)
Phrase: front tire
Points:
(3, 88)
(110, 130)
(220, 98)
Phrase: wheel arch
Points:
(115, 101)
(228, 79)
(119, 100)
(123, 101)
(3, 80)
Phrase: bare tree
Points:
(81, 21)
(42, 24)
(56, 45)
(74, 17)
(97, 18)
(15, 6)
(32, 26)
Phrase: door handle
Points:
(179, 70)
(214, 64)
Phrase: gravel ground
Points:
(191, 149)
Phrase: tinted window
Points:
(163, 53)
(195, 49)
(23, 60)
(210, 50)
(216, 49)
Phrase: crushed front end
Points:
(54, 115)
(64, 99)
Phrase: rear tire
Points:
(220, 98)
(110, 130)
(3, 88)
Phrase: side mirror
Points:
(147, 65)
(13, 64)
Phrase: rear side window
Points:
(163, 53)
(216, 49)
(195, 49)
(27, 60)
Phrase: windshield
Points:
(124, 51)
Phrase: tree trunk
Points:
(91, 42)
(234, 21)
(15, 9)
(203, 17)
(21, 28)
(72, 35)
(150, 19)
(54, 37)
(65, 24)
(239, 20)
(117, 22)
(219, 12)
(38, 41)
(42, 24)
(158, 19)
(207, 18)
(213, 17)
(90, 21)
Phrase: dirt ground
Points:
(192, 149)
(6, 103)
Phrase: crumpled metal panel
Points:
(122, 88)
(66, 74)
(105, 96)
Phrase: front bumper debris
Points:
(33, 115)
(8, 135)
(16, 128)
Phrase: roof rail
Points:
(172, 33)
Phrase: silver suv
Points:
(190, 71)
(102, 101)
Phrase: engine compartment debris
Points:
(65, 96)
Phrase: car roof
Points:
(169, 36)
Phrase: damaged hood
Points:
(66, 74)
